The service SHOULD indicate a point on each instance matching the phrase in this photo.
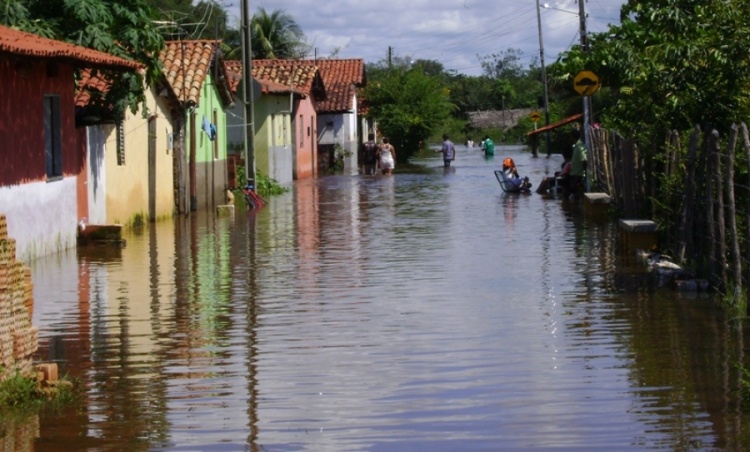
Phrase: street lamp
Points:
(544, 77)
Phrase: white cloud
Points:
(452, 32)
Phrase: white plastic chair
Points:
(505, 183)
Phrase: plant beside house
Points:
(264, 185)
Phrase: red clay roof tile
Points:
(275, 82)
(185, 65)
(17, 42)
(89, 82)
(296, 74)
(341, 78)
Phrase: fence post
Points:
(686, 221)
(746, 144)
(732, 216)
(720, 228)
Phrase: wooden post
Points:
(746, 144)
(686, 222)
(720, 225)
(732, 215)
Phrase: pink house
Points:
(285, 117)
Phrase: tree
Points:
(503, 65)
(670, 64)
(276, 35)
(408, 106)
(432, 68)
(470, 93)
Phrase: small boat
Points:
(507, 184)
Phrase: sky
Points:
(454, 32)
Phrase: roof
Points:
(341, 78)
(90, 83)
(555, 125)
(17, 42)
(233, 69)
(185, 65)
(301, 75)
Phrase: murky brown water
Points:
(423, 311)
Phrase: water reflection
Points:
(425, 310)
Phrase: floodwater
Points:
(423, 311)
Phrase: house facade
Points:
(285, 117)
(340, 119)
(43, 173)
(129, 162)
(196, 85)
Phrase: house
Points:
(340, 116)
(43, 165)
(286, 118)
(196, 86)
(129, 160)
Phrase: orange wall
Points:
(305, 134)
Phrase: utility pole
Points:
(247, 96)
(586, 99)
(544, 79)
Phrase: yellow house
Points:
(129, 163)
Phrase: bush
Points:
(20, 394)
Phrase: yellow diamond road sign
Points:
(535, 116)
(586, 83)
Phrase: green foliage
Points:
(17, 391)
(123, 28)
(267, 186)
(276, 35)
(744, 386)
(670, 64)
(264, 185)
(408, 106)
(503, 65)
(20, 394)
(339, 154)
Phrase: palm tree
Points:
(276, 35)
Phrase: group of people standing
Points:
(379, 157)
(486, 145)
(570, 178)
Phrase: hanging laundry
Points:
(209, 128)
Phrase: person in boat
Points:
(511, 172)
(560, 178)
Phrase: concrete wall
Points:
(210, 155)
(143, 186)
(305, 142)
(42, 213)
(273, 138)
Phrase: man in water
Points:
(449, 151)
(488, 146)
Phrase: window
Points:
(52, 136)
(120, 143)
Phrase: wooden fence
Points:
(699, 195)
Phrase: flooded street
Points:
(423, 311)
